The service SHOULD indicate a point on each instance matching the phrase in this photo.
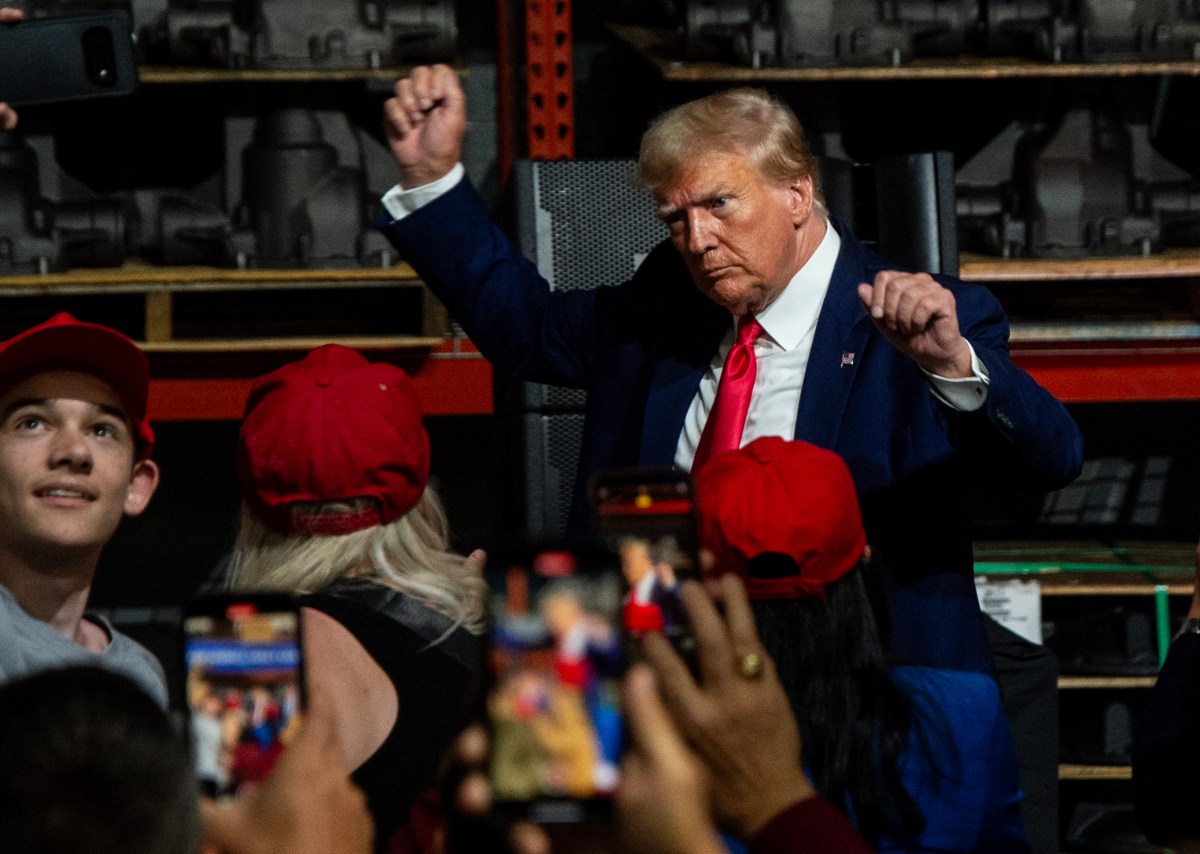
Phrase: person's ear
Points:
(142, 484)
(800, 199)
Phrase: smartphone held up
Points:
(565, 626)
(243, 660)
(556, 660)
(76, 57)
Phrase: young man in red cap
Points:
(75, 450)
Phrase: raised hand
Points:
(425, 122)
(917, 315)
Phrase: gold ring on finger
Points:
(751, 666)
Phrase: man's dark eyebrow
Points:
(116, 412)
(22, 403)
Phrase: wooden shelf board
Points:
(1083, 682)
(1174, 262)
(1181, 333)
(1066, 567)
(140, 277)
(660, 47)
(164, 74)
(1053, 589)
(1177, 555)
(1095, 772)
(1086, 568)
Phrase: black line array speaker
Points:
(584, 223)
(549, 453)
(915, 211)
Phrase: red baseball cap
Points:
(332, 427)
(780, 497)
(63, 343)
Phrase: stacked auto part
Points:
(821, 33)
(283, 34)
(287, 197)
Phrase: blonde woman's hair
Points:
(410, 554)
(744, 121)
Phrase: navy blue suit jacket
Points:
(641, 348)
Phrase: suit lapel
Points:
(843, 329)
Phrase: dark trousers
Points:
(1028, 677)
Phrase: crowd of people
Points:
(832, 411)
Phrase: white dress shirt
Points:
(400, 202)
(789, 326)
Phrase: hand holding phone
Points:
(46, 60)
(307, 805)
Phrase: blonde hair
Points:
(410, 554)
(745, 121)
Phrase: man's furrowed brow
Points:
(722, 191)
(703, 199)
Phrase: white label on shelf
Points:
(1014, 603)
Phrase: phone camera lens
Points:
(98, 56)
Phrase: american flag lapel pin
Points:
(847, 359)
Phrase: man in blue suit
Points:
(905, 375)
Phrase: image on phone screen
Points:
(556, 659)
(646, 519)
(244, 687)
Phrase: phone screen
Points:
(245, 686)
(646, 518)
(556, 659)
(565, 624)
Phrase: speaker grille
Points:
(551, 452)
(584, 224)
(600, 226)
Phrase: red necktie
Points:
(723, 430)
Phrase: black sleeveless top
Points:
(436, 686)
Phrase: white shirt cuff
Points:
(400, 202)
(966, 394)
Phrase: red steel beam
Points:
(549, 79)
(1115, 372)
(452, 380)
